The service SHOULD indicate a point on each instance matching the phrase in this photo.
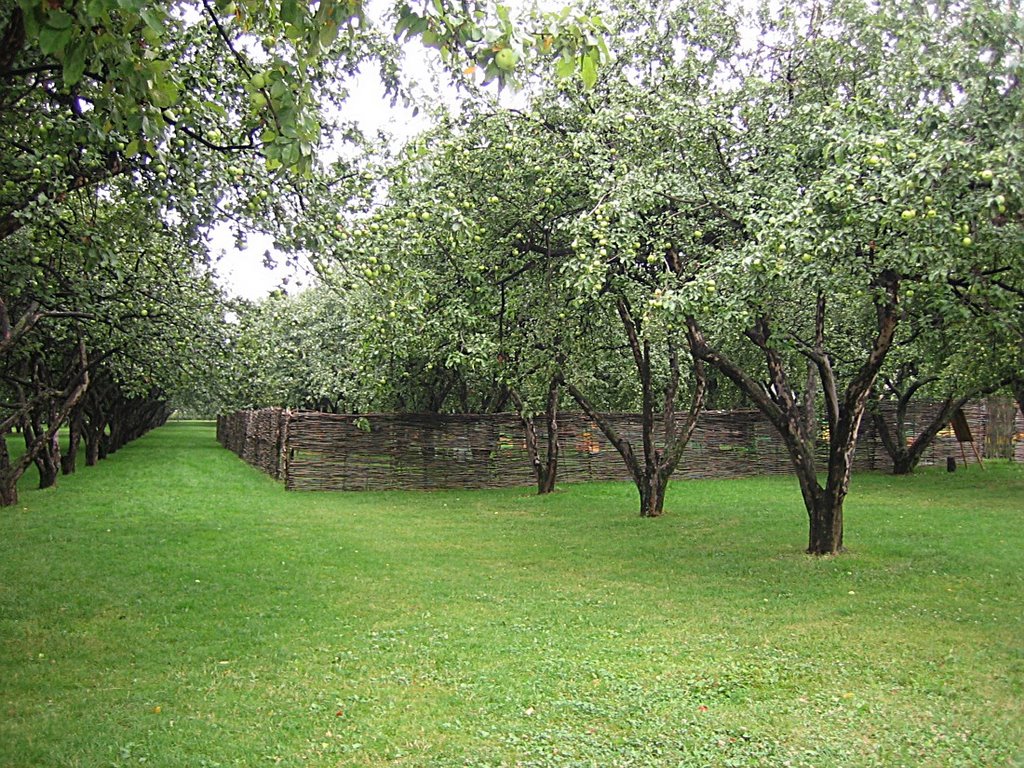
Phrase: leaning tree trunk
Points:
(42, 441)
(43, 444)
(545, 470)
(47, 461)
(69, 460)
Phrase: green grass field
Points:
(173, 607)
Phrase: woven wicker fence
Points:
(259, 437)
(320, 451)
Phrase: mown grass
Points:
(172, 607)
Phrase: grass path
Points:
(173, 607)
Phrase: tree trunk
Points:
(43, 445)
(825, 536)
(779, 403)
(652, 494)
(8, 489)
(545, 471)
(904, 462)
(70, 459)
(92, 446)
(905, 457)
(8, 476)
(48, 463)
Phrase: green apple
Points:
(506, 59)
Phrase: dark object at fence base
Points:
(950, 464)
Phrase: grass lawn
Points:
(173, 607)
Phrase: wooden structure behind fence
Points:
(320, 451)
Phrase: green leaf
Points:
(132, 149)
(403, 25)
(152, 37)
(154, 18)
(53, 40)
(97, 8)
(59, 20)
(566, 66)
(33, 19)
(589, 70)
(328, 34)
(164, 94)
(74, 62)
(216, 108)
(290, 13)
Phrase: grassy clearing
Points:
(173, 607)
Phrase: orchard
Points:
(814, 210)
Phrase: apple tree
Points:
(848, 156)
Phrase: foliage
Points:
(814, 169)
(293, 351)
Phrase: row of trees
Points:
(127, 129)
(809, 211)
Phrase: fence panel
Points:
(321, 451)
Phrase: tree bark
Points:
(47, 457)
(70, 458)
(651, 476)
(8, 478)
(793, 420)
(652, 494)
(825, 530)
(545, 470)
(906, 456)
(42, 445)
